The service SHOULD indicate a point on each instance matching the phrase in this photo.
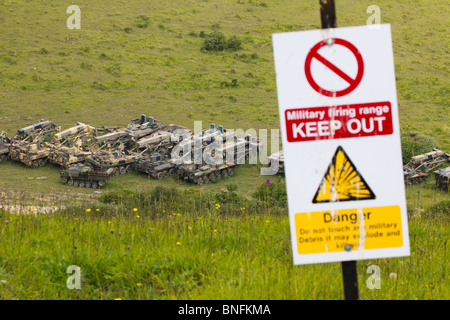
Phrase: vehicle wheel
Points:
(70, 182)
(160, 175)
(64, 180)
(101, 184)
(41, 162)
(76, 183)
(224, 173)
(230, 171)
(82, 183)
(34, 164)
(200, 181)
(123, 170)
(87, 184)
(116, 171)
(94, 184)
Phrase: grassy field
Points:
(134, 57)
(163, 245)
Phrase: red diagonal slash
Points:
(335, 69)
(353, 83)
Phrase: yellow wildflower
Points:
(134, 209)
(178, 243)
(139, 284)
(88, 210)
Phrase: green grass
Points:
(201, 251)
(202, 245)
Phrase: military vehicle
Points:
(4, 146)
(67, 148)
(143, 126)
(121, 163)
(126, 138)
(89, 174)
(201, 174)
(442, 177)
(418, 168)
(276, 162)
(218, 161)
(155, 165)
(29, 145)
(155, 151)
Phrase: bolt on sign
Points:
(341, 142)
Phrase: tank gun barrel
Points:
(80, 128)
(43, 125)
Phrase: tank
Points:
(143, 126)
(4, 146)
(418, 168)
(442, 177)
(201, 174)
(218, 161)
(155, 165)
(30, 147)
(67, 147)
(126, 138)
(89, 174)
(120, 163)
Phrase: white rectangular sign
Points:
(341, 142)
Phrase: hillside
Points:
(139, 57)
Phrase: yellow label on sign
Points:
(349, 229)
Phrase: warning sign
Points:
(350, 229)
(342, 182)
(341, 143)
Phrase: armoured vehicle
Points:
(4, 146)
(201, 174)
(155, 165)
(121, 163)
(276, 162)
(89, 174)
(417, 169)
(442, 177)
(218, 161)
(143, 126)
(126, 138)
(155, 151)
(29, 145)
(67, 148)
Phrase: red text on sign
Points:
(339, 122)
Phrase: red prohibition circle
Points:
(353, 83)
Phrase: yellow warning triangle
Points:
(342, 182)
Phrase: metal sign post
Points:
(349, 270)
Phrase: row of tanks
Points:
(89, 156)
(419, 167)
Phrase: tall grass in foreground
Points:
(152, 246)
